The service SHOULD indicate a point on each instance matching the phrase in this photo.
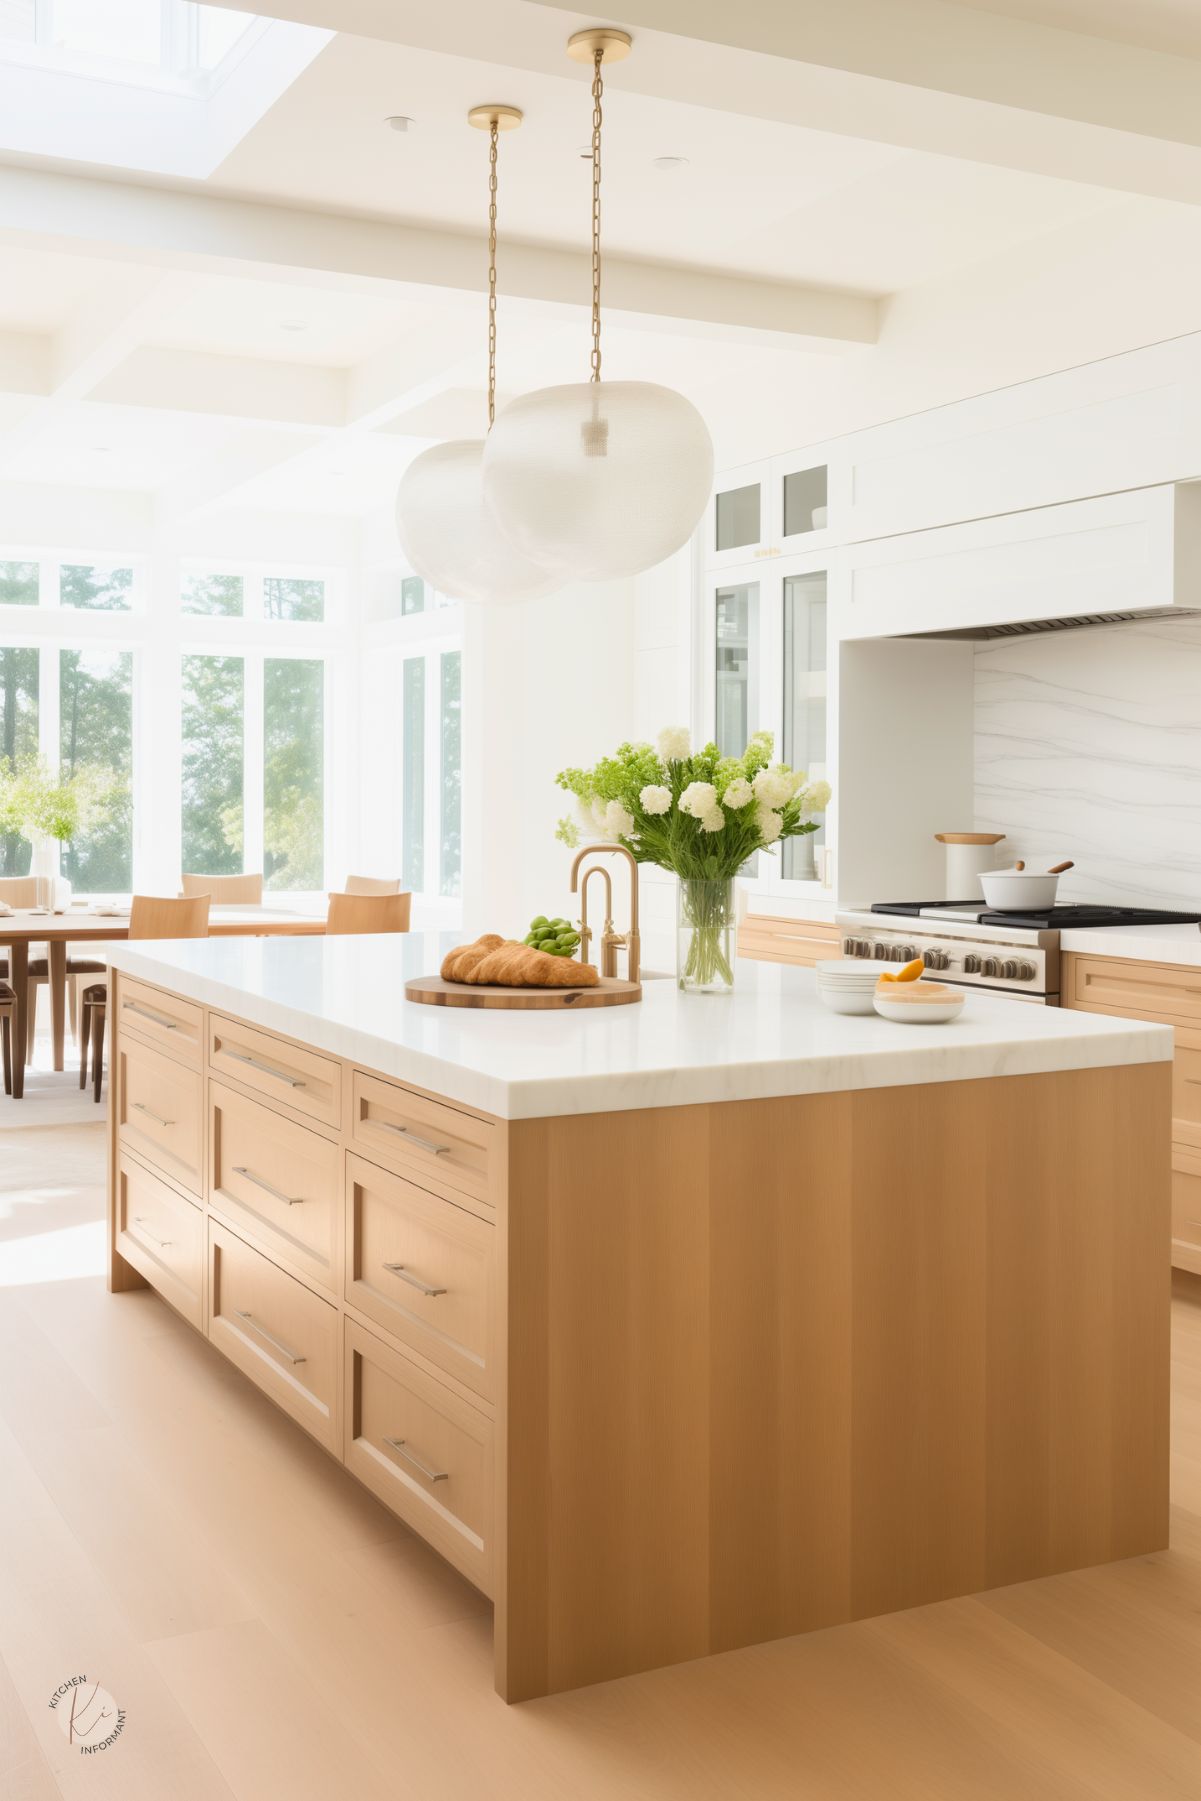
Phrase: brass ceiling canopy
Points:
(502, 118)
(614, 45)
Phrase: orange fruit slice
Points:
(911, 971)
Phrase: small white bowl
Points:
(1017, 890)
(847, 1000)
(854, 971)
(949, 1005)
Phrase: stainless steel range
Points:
(968, 943)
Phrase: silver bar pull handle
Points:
(402, 1450)
(139, 1219)
(262, 1331)
(289, 1200)
(160, 1019)
(137, 1107)
(425, 1144)
(267, 1068)
(406, 1275)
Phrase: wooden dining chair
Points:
(226, 890)
(8, 1002)
(368, 913)
(21, 891)
(150, 916)
(370, 884)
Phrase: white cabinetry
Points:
(770, 509)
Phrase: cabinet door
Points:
(806, 504)
(804, 684)
(737, 523)
(736, 665)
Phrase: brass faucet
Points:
(611, 940)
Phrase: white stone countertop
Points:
(1143, 944)
(771, 1037)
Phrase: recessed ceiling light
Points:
(399, 121)
(669, 163)
(293, 325)
(101, 449)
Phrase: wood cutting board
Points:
(432, 991)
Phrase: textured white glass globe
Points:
(599, 478)
(450, 537)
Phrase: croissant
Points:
(512, 965)
(458, 964)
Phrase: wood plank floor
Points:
(273, 1634)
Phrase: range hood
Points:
(1112, 559)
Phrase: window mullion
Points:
(252, 763)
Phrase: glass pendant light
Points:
(598, 478)
(447, 533)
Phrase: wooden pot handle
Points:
(1060, 867)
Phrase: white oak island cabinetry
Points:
(675, 1327)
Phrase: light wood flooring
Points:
(274, 1635)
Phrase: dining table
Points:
(24, 926)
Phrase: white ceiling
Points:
(1170, 25)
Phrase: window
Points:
(284, 597)
(216, 595)
(413, 765)
(213, 701)
(18, 736)
(18, 584)
(412, 594)
(94, 588)
(96, 730)
(293, 772)
(451, 772)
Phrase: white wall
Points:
(1088, 745)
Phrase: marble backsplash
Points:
(1088, 745)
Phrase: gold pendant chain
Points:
(494, 134)
(597, 93)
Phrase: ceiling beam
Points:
(176, 229)
(231, 387)
(923, 75)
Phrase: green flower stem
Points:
(706, 912)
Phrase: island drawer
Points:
(278, 1070)
(162, 1235)
(159, 1115)
(766, 938)
(1186, 1088)
(424, 1270)
(1186, 1210)
(277, 1182)
(175, 1026)
(422, 1138)
(1159, 991)
(277, 1331)
(423, 1450)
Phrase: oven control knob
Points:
(880, 952)
(935, 959)
(1026, 972)
(990, 967)
(1010, 968)
(971, 964)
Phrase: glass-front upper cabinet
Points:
(736, 667)
(804, 684)
(769, 509)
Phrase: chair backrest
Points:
(154, 916)
(370, 884)
(226, 890)
(368, 913)
(19, 890)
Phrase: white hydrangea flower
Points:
(655, 799)
(619, 822)
(738, 794)
(767, 739)
(698, 799)
(769, 823)
(713, 821)
(816, 798)
(773, 787)
(675, 743)
(799, 779)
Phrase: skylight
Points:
(170, 41)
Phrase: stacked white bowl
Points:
(847, 984)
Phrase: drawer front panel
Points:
(1186, 1211)
(424, 1139)
(1137, 989)
(766, 939)
(423, 1270)
(162, 1235)
(423, 1450)
(1186, 1088)
(276, 1181)
(278, 1070)
(277, 1331)
(159, 1111)
(174, 1025)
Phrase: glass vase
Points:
(705, 936)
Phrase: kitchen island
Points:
(675, 1327)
